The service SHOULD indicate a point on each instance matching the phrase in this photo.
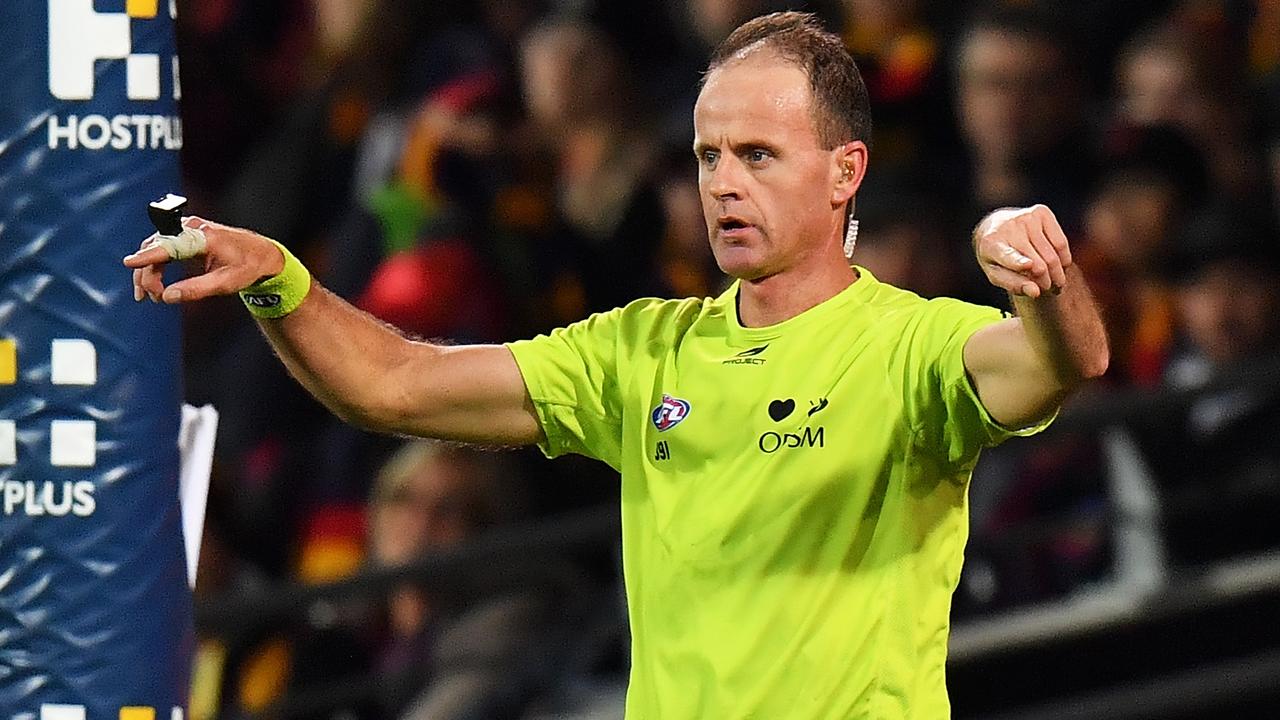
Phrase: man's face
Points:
(1158, 87)
(430, 511)
(764, 178)
(1015, 97)
(1130, 221)
(1229, 311)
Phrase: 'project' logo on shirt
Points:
(670, 413)
(747, 357)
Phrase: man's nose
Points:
(725, 182)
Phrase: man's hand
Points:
(1023, 367)
(1023, 250)
(233, 260)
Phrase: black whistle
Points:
(166, 214)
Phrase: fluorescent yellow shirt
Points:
(794, 497)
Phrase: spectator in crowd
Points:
(1022, 107)
(409, 254)
(1174, 75)
(1154, 176)
(1221, 451)
(441, 661)
(594, 129)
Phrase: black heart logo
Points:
(780, 409)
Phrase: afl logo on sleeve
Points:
(670, 413)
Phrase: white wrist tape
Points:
(186, 244)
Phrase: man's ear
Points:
(851, 161)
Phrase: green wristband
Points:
(280, 294)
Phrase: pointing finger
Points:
(154, 255)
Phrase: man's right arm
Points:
(363, 370)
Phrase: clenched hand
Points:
(1023, 250)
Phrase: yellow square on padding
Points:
(8, 361)
(137, 713)
(139, 9)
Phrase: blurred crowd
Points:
(484, 170)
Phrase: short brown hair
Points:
(841, 110)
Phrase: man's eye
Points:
(709, 157)
(758, 156)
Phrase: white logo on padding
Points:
(72, 444)
(50, 711)
(79, 36)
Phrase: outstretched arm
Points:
(1024, 367)
(363, 370)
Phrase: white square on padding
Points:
(61, 712)
(73, 361)
(72, 443)
(8, 443)
(142, 77)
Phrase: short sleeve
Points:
(572, 377)
(951, 421)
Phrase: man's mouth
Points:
(732, 226)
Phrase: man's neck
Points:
(780, 297)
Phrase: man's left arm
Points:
(1025, 366)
